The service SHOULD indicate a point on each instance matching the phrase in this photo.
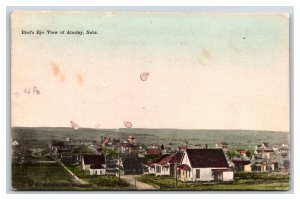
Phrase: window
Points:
(96, 172)
(158, 169)
(197, 173)
(100, 172)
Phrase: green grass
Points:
(37, 175)
(243, 181)
(53, 177)
(98, 181)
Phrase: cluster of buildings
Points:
(264, 158)
(115, 157)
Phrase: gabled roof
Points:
(64, 150)
(164, 159)
(204, 158)
(244, 151)
(184, 167)
(57, 143)
(170, 158)
(96, 166)
(243, 162)
(177, 157)
(153, 151)
(94, 159)
(105, 140)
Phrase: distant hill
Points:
(174, 137)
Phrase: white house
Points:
(97, 169)
(165, 166)
(204, 165)
(95, 164)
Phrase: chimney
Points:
(205, 146)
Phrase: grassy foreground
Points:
(243, 181)
(53, 177)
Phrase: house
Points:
(95, 164)
(242, 164)
(57, 144)
(126, 148)
(153, 151)
(181, 148)
(131, 139)
(106, 142)
(165, 166)
(130, 164)
(284, 150)
(223, 145)
(259, 165)
(204, 165)
(64, 153)
(97, 169)
(245, 153)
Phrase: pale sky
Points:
(206, 71)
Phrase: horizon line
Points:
(152, 128)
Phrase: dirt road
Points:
(137, 184)
(78, 180)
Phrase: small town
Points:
(128, 164)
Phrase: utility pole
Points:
(176, 175)
(119, 165)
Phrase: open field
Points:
(53, 177)
(173, 137)
(98, 181)
(243, 181)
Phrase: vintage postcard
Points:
(117, 101)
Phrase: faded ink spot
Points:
(144, 76)
(74, 125)
(79, 79)
(205, 57)
(57, 71)
(127, 124)
(206, 54)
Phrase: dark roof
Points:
(242, 162)
(169, 158)
(184, 167)
(105, 140)
(203, 158)
(153, 151)
(177, 157)
(164, 159)
(64, 150)
(127, 145)
(94, 159)
(244, 151)
(57, 143)
(97, 166)
(131, 161)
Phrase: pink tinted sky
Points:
(206, 71)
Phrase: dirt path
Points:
(137, 184)
(78, 180)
